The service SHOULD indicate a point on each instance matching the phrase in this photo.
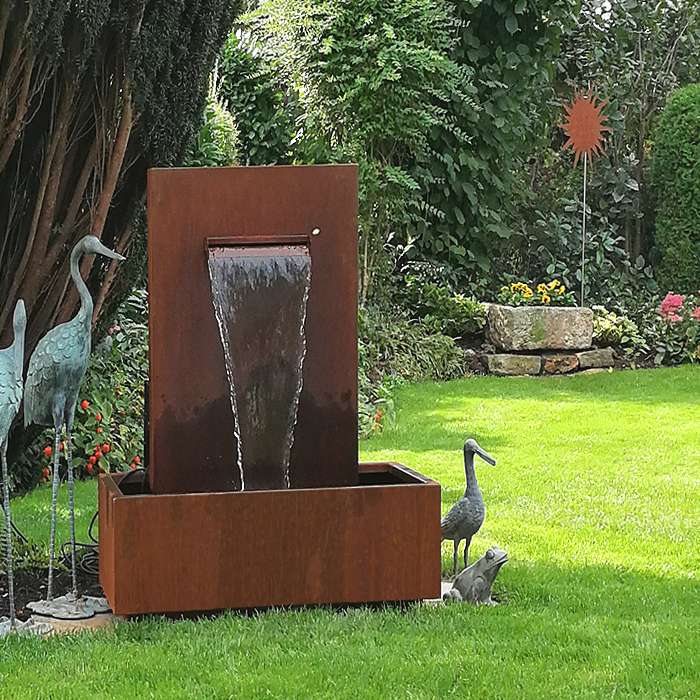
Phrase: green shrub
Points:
(392, 350)
(676, 178)
(442, 310)
(611, 329)
(263, 105)
(217, 140)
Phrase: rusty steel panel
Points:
(253, 549)
(192, 447)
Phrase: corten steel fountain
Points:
(255, 495)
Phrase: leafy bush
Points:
(676, 177)
(393, 349)
(509, 48)
(217, 140)
(552, 293)
(611, 329)
(441, 309)
(373, 79)
(263, 105)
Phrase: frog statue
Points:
(473, 584)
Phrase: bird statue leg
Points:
(54, 498)
(454, 557)
(71, 503)
(8, 534)
(466, 551)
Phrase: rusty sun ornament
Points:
(585, 128)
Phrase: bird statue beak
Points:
(104, 250)
(485, 456)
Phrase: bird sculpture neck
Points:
(470, 473)
(83, 292)
(18, 345)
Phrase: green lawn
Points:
(596, 498)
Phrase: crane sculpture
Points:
(56, 369)
(466, 516)
(11, 368)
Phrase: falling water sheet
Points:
(260, 296)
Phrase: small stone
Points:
(514, 365)
(560, 364)
(602, 357)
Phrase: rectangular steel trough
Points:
(376, 541)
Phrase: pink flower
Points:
(669, 306)
(696, 313)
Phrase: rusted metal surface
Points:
(192, 448)
(272, 548)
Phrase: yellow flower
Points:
(562, 289)
(553, 284)
(541, 288)
(527, 293)
(546, 298)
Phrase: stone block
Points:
(514, 365)
(560, 364)
(539, 327)
(592, 359)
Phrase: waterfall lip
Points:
(234, 242)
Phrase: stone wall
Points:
(533, 340)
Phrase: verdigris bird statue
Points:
(11, 370)
(56, 369)
(466, 516)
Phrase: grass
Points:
(595, 497)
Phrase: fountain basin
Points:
(373, 542)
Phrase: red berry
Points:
(61, 446)
(132, 466)
(98, 417)
(98, 454)
(45, 473)
(106, 447)
(84, 404)
(92, 459)
(48, 450)
(99, 430)
(90, 469)
(137, 460)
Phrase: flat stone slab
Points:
(100, 621)
(514, 365)
(593, 359)
(539, 327)
(560, 364)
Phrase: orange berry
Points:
(106, 447)
(84, 404)
(98, 417)
(99, 430)
(48, 451)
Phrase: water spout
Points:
(260, 296)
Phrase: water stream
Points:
(260, 295)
